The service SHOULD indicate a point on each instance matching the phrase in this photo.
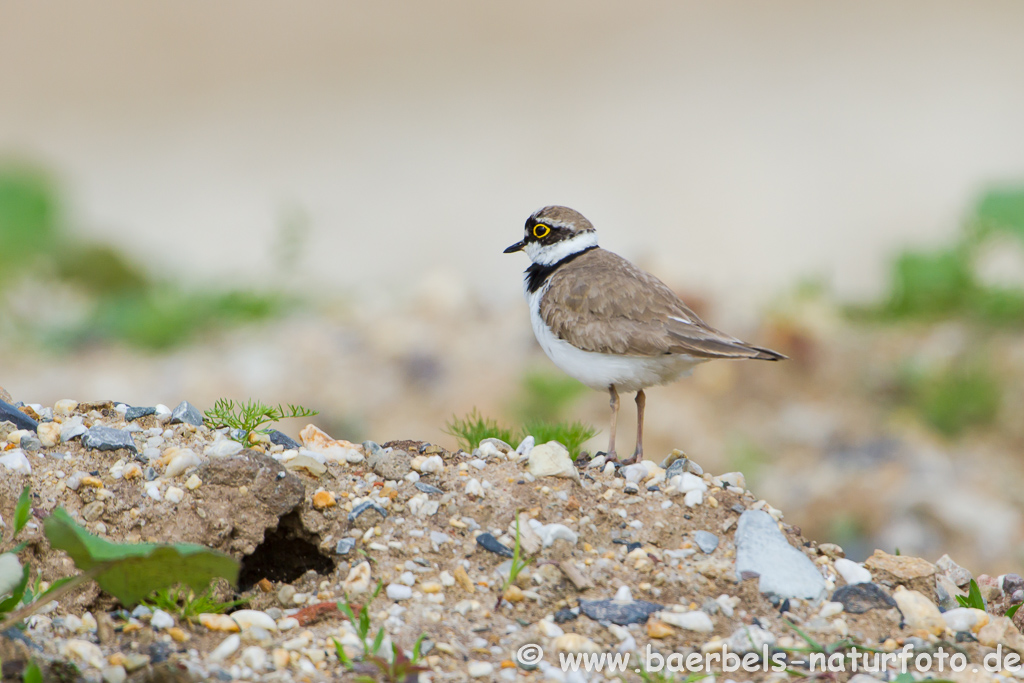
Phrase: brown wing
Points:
(601, 302)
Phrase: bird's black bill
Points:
(518, 246)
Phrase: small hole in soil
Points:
(283, 557)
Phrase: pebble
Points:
(859, 598)
(193, 482)
(634, 473)
(852, 572)
(308, 463)
(254, 657)
(479, 669)
(1001, 631)
(965, 619)
(367, 514)
(432, 465)
(706, 541)
(747, 639)
(549, 533)
(918, 611)
(16, 461)
(174, 494)
(902, 567)
(84, 651)
(525, 446)
(344, 546)
(551, 459)
(694, 620)
(323, 500)
(550, 629)
(186, 413)
(279, 438)
(574, 642)
(397, 591)
(135, 412)
(179, 460)
(163, 413)
(114, 674)
(49, 434)
(474, 488)
(490, 543)
(161, 620)
(108, 439)
(218, 622)
(358, 580)
(65, 406)
(72, 428)
(618, 612)
(957, 574)
(427, 488)
(253, 618)
(223, 448)
(227, 647)
(658, 629)
(783, 571)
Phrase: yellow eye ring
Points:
(540, 231)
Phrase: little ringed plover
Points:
(609, 324)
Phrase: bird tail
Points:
(765, 354)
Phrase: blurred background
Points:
(308, 204)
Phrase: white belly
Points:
(601, 370)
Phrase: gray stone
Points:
(859, 598)
(367, 514)
(108, 439)
(706, 541)
(281, 439)
(489, 542)
(279, 490)
(345, 546)
(957, 574)
(621, 613)
(187, 413)
(30, 442)
(9, 413)
(134, 413)
(389, 464)
(427, 488)
(763, 551)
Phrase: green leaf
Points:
(22, 511)
(130, 572)
(377, 641)
(342, 657)
(1013, 610)
(416, 648)
(32, 674)
(973, 599)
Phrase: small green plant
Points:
(184, 603)
(1013, 610)
(518, 565)
(251, 415)
(572, 435)
(398, 669)
(32, 674)
(474, 428)
(973, 598)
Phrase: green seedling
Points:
(187, 605)
(399, 668)
(474, 428)
(973, 598)
(572, 435)
(518, 565)
(251, 415)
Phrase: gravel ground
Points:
(642, 559)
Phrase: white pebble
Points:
(691, 621)
(852, 572)
(473, 488)
(174, 494)
(397, 591)
(253, 618)
(623, 595)
(223, 448)
(432, 465)
(407, 578)
(480, 669)
(254, 657)
(161, 620)
(227, 647)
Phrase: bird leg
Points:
(610, 455)
(638, 454)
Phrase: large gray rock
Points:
(108, 439)
(762, 550)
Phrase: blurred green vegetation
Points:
(546, 395)
(121, 302)
(474, 428)
(743, 454)
(949, 284)
(944, 283)
(962, 394)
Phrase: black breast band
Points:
(537, 274)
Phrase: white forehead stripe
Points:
(547, 255)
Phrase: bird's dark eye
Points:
(540, 231)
